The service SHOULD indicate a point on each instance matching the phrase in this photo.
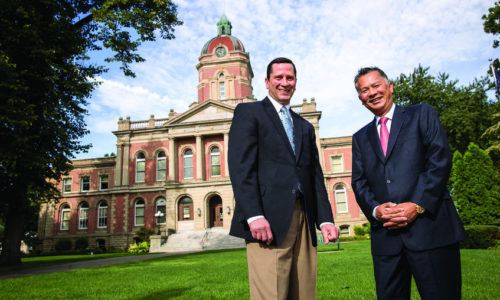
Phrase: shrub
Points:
(138, 248)
(143, 234)
(362, 230)
(481, 236)
(81, 243)
(63, 245)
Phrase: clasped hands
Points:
(261, 231)
(395, 216)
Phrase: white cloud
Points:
(328, 41)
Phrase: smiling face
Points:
(375, 92)
(281, 82)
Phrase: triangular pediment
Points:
(203, 112)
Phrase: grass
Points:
(344, 274)
(42, 261)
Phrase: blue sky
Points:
(327, 40)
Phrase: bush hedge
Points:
(481, 236)
(81, 243)
(63, 245)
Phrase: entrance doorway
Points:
(216, 212)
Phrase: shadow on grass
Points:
(165, 294)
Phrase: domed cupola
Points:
(223, 38)
(224, 69)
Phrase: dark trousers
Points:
(437, 274)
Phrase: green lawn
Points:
(344, 274)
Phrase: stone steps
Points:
(191, 241)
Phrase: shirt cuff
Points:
(250, 220)
(325, 223)
(374, 213)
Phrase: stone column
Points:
(226, 147)
(172, 160)
(200, 158)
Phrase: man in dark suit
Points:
(279, 191)
(401, 164)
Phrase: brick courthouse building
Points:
(178, 165)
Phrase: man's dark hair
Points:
(366, 70)
(280, 60)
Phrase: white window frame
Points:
(82, 184)
(139, 204)
(102, 214)
(161, 202)
(83, 215)
(185, 167)
(101, 176)
(65, 210)
(140, 161)
(340, 165)
(340, 189)
(212, 165)
(344, 229)
(161, 160)
(65, 184)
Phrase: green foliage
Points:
(143, 234)
(475, 187)
(63, 245)
(46, 79)
(465, 111)
(138, 248)
(81, 243)
(492, 134)
(481, 237)
(491, 22)
(224, 275)
(362, 230)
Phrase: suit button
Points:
(388, 181)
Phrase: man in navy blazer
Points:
(415, 228)
(279, 191)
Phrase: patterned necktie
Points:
(384, 134)
(288, 125)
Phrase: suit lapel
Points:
(374, 140)
(297, 134)
(275, 119)
(397, 122)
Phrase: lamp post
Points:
(158, 215)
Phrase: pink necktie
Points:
(384, 134)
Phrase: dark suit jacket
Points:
(416, 169)
(265, 173)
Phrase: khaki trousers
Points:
(287, 271)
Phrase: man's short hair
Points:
(366, 70)
(280, 60)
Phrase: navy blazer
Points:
(416, 169)
(266, 175)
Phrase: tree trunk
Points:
(14, 228)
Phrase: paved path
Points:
(100, 262)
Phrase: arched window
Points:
(83, 216)
(161, 166)
(102, 214)
(185, 209)
(65, 216)
(140, 167)
(139, 212)
(341, 199)
(222, 87)
(215, 161)
(161, 205)
(188, 163)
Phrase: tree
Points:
(46, 79)
(465, 111)
(491, 24)
(475, 187)
(492, 135)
